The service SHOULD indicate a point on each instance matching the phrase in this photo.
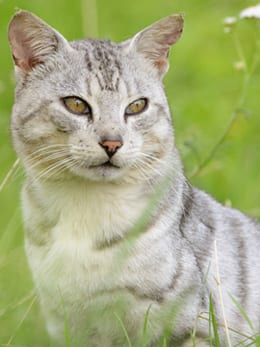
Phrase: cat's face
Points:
(91, 108)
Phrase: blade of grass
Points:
(221, 299)
(9, 174)
(22, 320)
(194, 332)
(145, 328)
(257, 340)
(243, 313)
(235, 331)
(124, 330)
(213, 322)
(164, 343)
(13, 307)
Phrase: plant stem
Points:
(89, 18)
(239, 333)
(221, 299)
(234, 116)
(238, 110)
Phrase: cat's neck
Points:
(102, 211)
(99, 212)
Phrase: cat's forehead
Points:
(103, 60)
(100, 53)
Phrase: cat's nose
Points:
(111, 146)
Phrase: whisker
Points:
(149, 166)
(145, 177)
(58, 145)
(17, 174)
(47, 156)
(32, 162)
(48, 149)
(55, 169)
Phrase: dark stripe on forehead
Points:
(106, 63)
(88, 61)
(117, 83)
(97, 53)
(118, 65)
(100, 82)
(88, 86)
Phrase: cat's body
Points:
(115, 235)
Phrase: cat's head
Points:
(91, 108)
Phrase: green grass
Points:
(205, 91)
(213, 323)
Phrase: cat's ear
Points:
(32, 41)
(155, 41)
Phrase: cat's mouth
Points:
(108, 164)
(103, 171)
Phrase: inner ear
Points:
(155, 41)
(32, 41)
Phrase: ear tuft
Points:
(155, 41)
(31, 40)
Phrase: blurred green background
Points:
(204, 87)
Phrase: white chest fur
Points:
(80, 263)
(79, 220)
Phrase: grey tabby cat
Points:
(118, 242)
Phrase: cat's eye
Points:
(76, 105)
(136, 107)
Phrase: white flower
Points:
(230, 21)
(239, 65)
(251, 12)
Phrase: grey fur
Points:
(128, 236)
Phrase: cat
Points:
(121, 247)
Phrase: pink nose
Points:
(111, 146)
